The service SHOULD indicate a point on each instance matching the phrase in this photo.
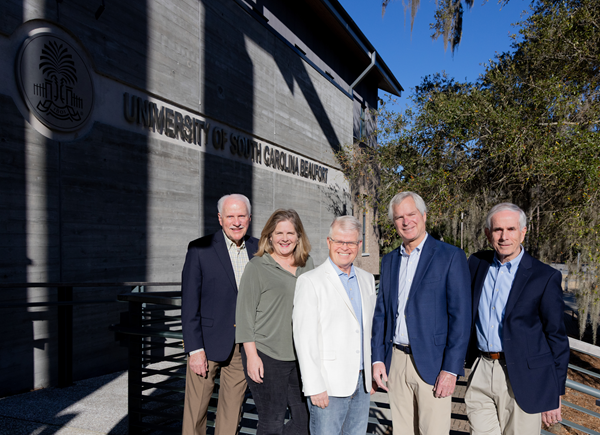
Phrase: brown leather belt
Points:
(493, 355)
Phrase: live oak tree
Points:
(525, 132)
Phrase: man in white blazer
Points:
(332, 318)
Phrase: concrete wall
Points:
(120, 202)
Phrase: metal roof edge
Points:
(338, 11)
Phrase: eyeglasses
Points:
(348, 244)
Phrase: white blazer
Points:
(327, 333)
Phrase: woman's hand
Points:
(256, 370)
(254, 365)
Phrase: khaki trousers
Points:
(491, 405)
(414, 407)
(198, 391)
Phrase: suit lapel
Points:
(221, 250)
(334, 279)
(363, 286)
(482, 270)
(394, 272)
(251, 246)
(429, 249)
(521, 278)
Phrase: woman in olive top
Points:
(264, 324)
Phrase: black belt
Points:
(406, 349)
(493, 355)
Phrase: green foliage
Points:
(525, 132)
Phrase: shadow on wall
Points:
(72, 211)
(227, 95)
(337, 200)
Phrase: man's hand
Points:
(373, 387)
(552, 417)
(199, 363)
(444, 385)
(380, 376)
(321, 400)
(255, 368)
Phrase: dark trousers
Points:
(279, 391)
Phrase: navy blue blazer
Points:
(534, 338)
(209, 295)
(438, 310)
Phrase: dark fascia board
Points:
(386, 82)
(390, 83)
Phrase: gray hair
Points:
(396, 200)
(346, 223)
(236, 196)
(506, 206)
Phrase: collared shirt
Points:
(350, 283)
(492, 304)
(408, 267)
(238, 256)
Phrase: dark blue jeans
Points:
(279, 391)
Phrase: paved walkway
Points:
(98, 406)
(90, 407)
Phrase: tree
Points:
(525, 132)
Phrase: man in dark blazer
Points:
(421, 324)
(519, 333)
(213, 267)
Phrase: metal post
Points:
(462, 215)
(65, 337)
(134, 401)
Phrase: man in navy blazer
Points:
(519, 333)
(213, 267)
(422, 322)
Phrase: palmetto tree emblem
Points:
(58, 67)
(55, 81)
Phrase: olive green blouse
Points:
(264, 307)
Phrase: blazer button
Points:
(234, 325)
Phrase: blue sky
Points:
(486, 29)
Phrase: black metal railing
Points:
(64, 302)
(156, 378)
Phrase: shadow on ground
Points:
(92, 406)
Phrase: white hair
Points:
(236, 196)
(346, 223)
(396, 200)
(506, 206)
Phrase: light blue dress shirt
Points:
(350, 283)
(492, 303)
(408, 267)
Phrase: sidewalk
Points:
(90, 407)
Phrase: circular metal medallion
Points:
(55, 82)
